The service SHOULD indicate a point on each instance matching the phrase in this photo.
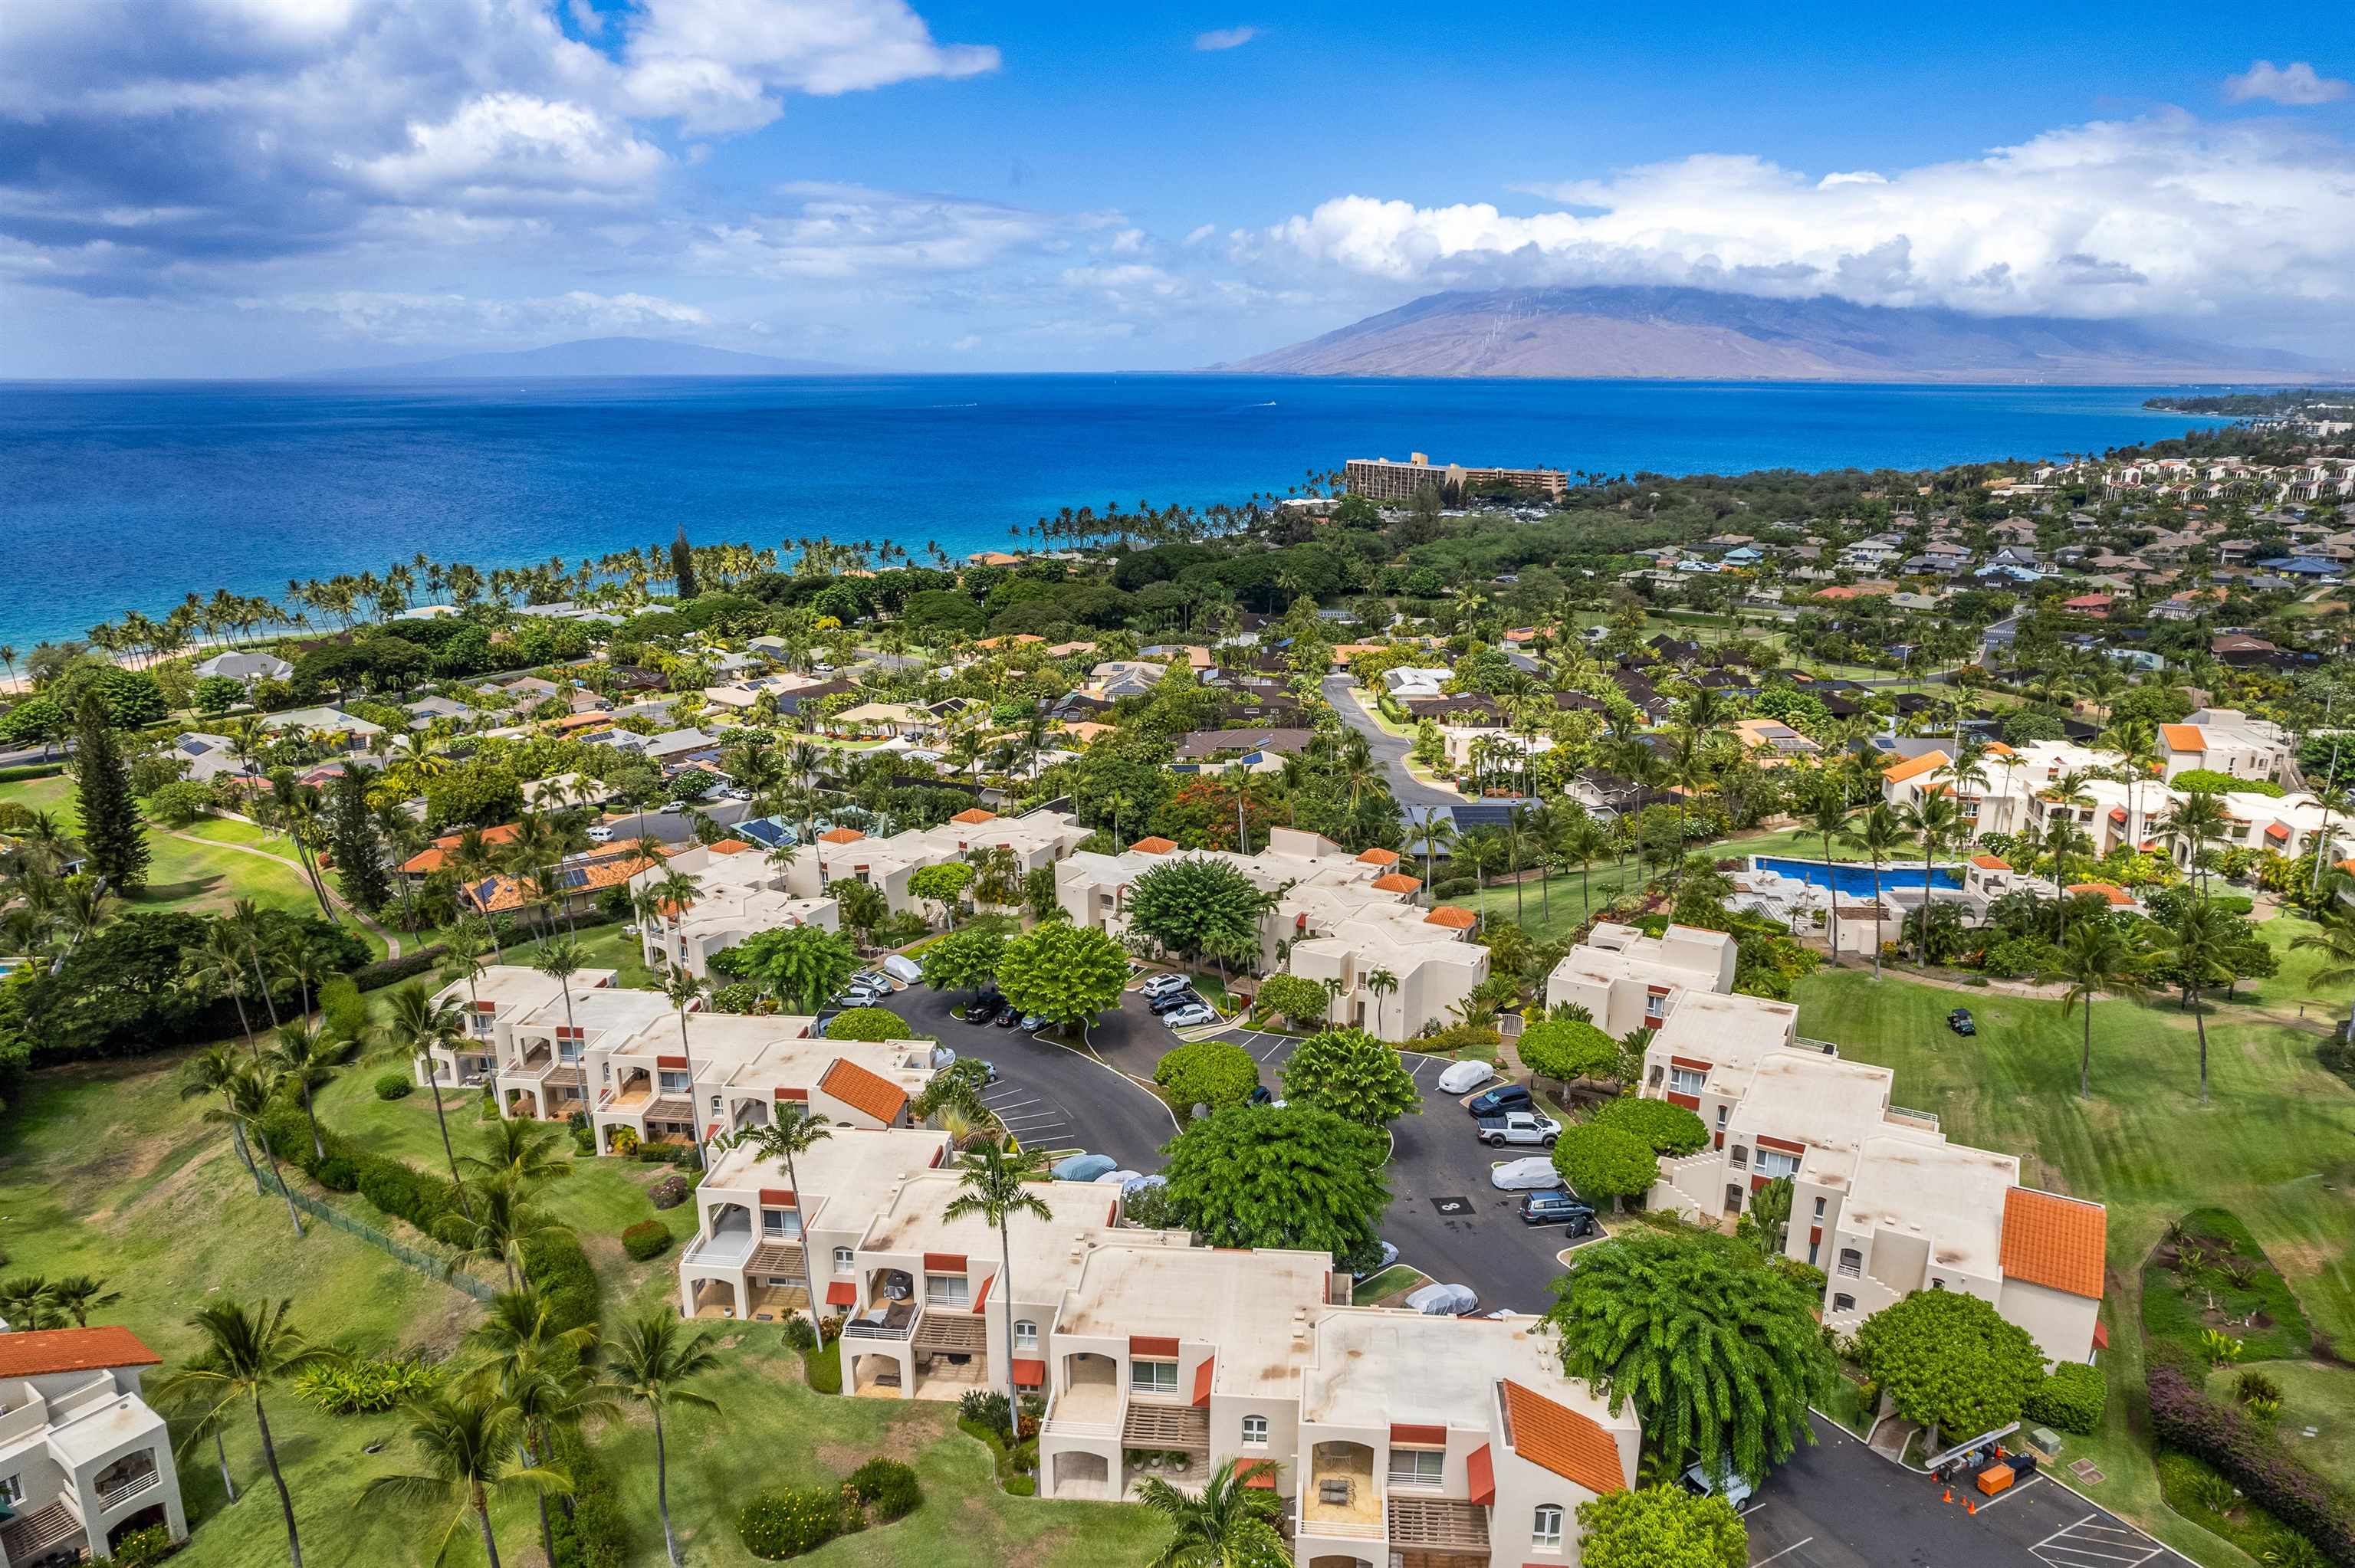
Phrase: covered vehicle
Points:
(1082, 1167)
(1385, 1253)
(1463, 1077)
(1726, 1483)
(902, 968)
(1120, 1178)
(1530, 1175)
(1444, 1300)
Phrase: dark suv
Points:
(1501, 1100)
(1556, 1208)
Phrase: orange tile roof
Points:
(617, 865)
(865, 1092)
(36, 1352)
(1380, 857)
(1562, 1440)
(1928, 762)
(1153, 845)
(2183, 736)
(2053, 1241)
(2110, 890)
(1991, 862)
(1398, 882)
(728, 846)
(842, 835)
(1997, 749)
(1449, 915)
(974, 815)
(436, 855)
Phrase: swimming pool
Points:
(1855, 879)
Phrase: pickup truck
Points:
(1518, 1127)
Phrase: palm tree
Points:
(560, 958)
(243, 921)
(796, 1130)
(500, 1222)
(2200, 820)
(77, 1296)
(469, 1440)
(2334, 937)
(1380, 983)
(1878, 833)
(217, 965)
(245, 1100)
(304, 1056)
(418, 1026)
(1439, 837)
(2096, 958)
(992, 1183)
(1828, 819)
(308, 963)
(2135, 742)
(522, 1150)
(538, 1370)
(247, 1352)
(210, 1072)
(685, 989)
(2200, 943)
(652, 1360)
(1582, 841)
(28, 1302)
(1934, 817)
(1229, 1524)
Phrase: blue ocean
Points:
(123, 496)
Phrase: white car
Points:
(602, 833)
(1463, 1077)
(1531, 1175)
(1191, 1017)
(1161, 985)
(1444, 1300)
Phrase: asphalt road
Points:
(1840, 1505)
(1389, 749)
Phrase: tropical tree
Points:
(2096, 958)
(1065, 974)
(1949, 1361)
(1598, 1161)
(247, 1352)
(538, 1368)
(210, 1072)
(1934, 819)
(29, 1302)
(1827, 818)
(521, 1150)
(683, 989)
(1878, 834)
(1198, 908)
(1660, 1527)
(1720, 1352)
(416, 1026)
(1581, 841)
(794, 1131)
(560, 958)
(962, 960)
(305, 1056)
(469, 1439)
(2201, 821)
(943, 885)
(216, 968)
(994, 1184)
(801, 966)
(1566, 1048)
(652, 1360)
(1290, 1176)
(1352, 1075)
(2198, 945)
(1230, 1523)
(2334, 937)
(245, 1101)
(500, 1222)
(79, 1295)
(114, 835)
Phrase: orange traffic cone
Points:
(1971, 1506)
(1949, 1496)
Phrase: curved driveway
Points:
(1389, 749)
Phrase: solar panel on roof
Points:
(572, 876)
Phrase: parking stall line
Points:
(2007, 1495)
(1785, 1552)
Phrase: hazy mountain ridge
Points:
(1698, 334)
(590, 356)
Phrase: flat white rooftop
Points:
(1245, 1303)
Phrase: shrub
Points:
(2251, 1458)
(868, 1023)
(625, 1141)
(1662, 1128)
(1455, 888)
(2257, 1386)
(342, 1012)
(1214, 1073)
(986, 1407)
(395, 1086)
(337, 1175)
(1022, 1486)
(822, 1369)
(790, 1520)
(392, 971)
(1468, 1038)
(799, 1335)
(561, 1272)
(364, 1387)
(647, 1238)
(138, 1549)
(590, 1532)
(2069, 1400)
(887, 1487)
(2209, 782)
(669, 1192)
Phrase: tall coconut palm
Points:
(2096, 958)
(1439, 837)
(2134, 743)
(210, 1072)
(2200, 820)
(79, 1295)
(1878, 834)
(2334, 939)
(499, 1223)
(2198, 943)
(1827, 818)
(468, 1438)
(305, 1056)
(215, 966)
(994, 1184)
(247, 1352)
(244, 922)
(795, 1130)
(1934, 817)
(652, 1360)
(418, 1026)
(245, 1100)
(538, 1368)
(1231, 1523)
(560, 958)
(685, 989)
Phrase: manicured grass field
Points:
(1606, 879)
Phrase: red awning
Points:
(842, 1293)
(1263, 1478)
(2275, 831)
(2101, 1335)
(1481, 1471)
(981, 1296)
(1029, 1374)
(1202, 1380)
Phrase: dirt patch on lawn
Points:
(1042, 1549)
(906, 1437)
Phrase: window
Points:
(1814, 1248)
(845, 1260)
(715, 1105)
(947, 1289)
(1685, 1081)
(12, 1489)
(1025, 1334)
(1417, 1467)
(1723, 1113)
(1255, 1431)
(1851, 1262)
(1740, 1156)
(1936, 1284)
(1775, 1163)
(780, 1222)
(1546, 1528)
(567, 1050)
(1843, 1302)
(1153, 1377)
(674, 1083)
(1819, 1208)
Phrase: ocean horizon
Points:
(128, 496)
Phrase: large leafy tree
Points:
(1566, 1048)
(1295, 1176)
(962, 960)
(1720, 1352)
(1949, 1362)
(1662, 1128)
(1289, 996)
(111, 830)
(1660, 1527)
(799, 965)
(868, 1023)
(1066, 974)
(1213, 1073)
(1200, 908)
(1601, 1161)
(943, 884)
(1352, 1075)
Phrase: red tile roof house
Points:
(83, 1460)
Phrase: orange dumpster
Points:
(1995, 1479)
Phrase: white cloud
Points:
(839, 232)
(2157, 215)
(2295, 83)
(1218, 38)
(393, 317)
(503, 148)
(716, 65)
(1201, 232)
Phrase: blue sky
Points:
(257, 186)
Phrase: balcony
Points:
(120, 1487)
(1439, 1525)
(1928, 1120)
(1088, 1404)
(1340, 1498)
(897, 1321)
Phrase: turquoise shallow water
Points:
(120, 496)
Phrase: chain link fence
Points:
(425, 1263)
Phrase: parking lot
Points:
(1840, 1505)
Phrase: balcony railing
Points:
(897, 1329)
(111, 1492)
(1345, 1529)
(1851, 1271)
(1904, 1113)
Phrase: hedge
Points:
(591, 1532)
(790, 1520)
(2069, 1399)
(887, 1487)
(392, 971)
(2182, 1416)
(647, 1238)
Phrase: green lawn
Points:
(1606, 879)
(2313, 1395)
(2275, 1146)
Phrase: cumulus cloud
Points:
(2149, 216)
(2296, 83)
(718, 65)
(1218, 38)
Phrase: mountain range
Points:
(1698, 334)
(591, 356)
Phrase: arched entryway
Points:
(1079, 1474)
